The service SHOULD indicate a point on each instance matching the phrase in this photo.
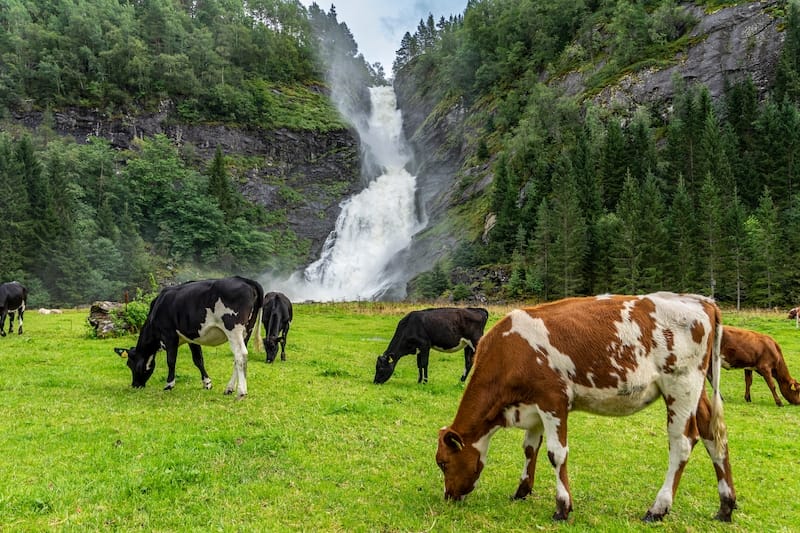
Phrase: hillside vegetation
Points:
(694, 194)
(86, 220)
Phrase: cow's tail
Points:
(717, 423)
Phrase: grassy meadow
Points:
(316, 446)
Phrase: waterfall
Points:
(374, 225)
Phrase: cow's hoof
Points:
(522, 493)
(2, 333)
(241, 396)
(228, 391)
(207, 384)
(652, 517)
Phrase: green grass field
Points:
(316, 446)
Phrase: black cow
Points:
(277, 317)
(13, 297)
(445, 329)
(203, 313)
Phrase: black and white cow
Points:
(277, 317)
(206, 313)
(13, 297)
(445, 329)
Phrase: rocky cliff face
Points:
(731, 43)
(306, 174)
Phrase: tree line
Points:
(88, 221)
(701, 199)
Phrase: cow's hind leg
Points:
(283, 343)
(3, 323)
(719, 457)
(239, 349)
(20, 313)
(423, 355)
(531, 445)
(197, 357)
(11, 321)
(683, 435)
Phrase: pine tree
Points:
(787, 74)
(219, 186)
(625, 248)
(681, 230)
(614, 164)
(15, 209)
(711, 248)
(765, 239)
(569, 231)
(736, 256)
(652, 235)
(542, 249)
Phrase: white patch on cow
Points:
(212, 331)
(522, 416)
(460, 346)
(207, 383)
(556, 450)
(534, 331)
(482, 445)
(150, 361)
(605, 296)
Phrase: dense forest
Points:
(584, 199)
(587, 200)
(86, 221)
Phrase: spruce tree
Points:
(541, 249)
(682, 239)
(764, 236)
(219, 186)
(569, 233)
(614, 164)
(17, 220)
(626, 252)
(652, 235)
(711, 247)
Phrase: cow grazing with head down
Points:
(201, 313)
(13, 297)
(750, 350)
(445, 329)
(277, 317)
(609, 355)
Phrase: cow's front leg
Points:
(469, 356)
(197, 357)
(555, 430)
(748, 382)
(422, 364)
(172, 357)
(766, 373)
(530, 445)
(239, 376)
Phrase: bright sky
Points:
(378, 26)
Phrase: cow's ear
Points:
(453, 440)
(122, 352)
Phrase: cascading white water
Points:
(373, 225)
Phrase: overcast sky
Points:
(378, 26)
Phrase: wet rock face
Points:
(304, 174)
(735, 42)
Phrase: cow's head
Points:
(384, 367)
(271, 346)
(460, 464)
(142, 367)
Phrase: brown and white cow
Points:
(609, 355)
(750, 350)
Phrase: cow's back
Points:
(618, 344)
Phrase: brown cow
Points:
(750, 350)
(537, 364)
